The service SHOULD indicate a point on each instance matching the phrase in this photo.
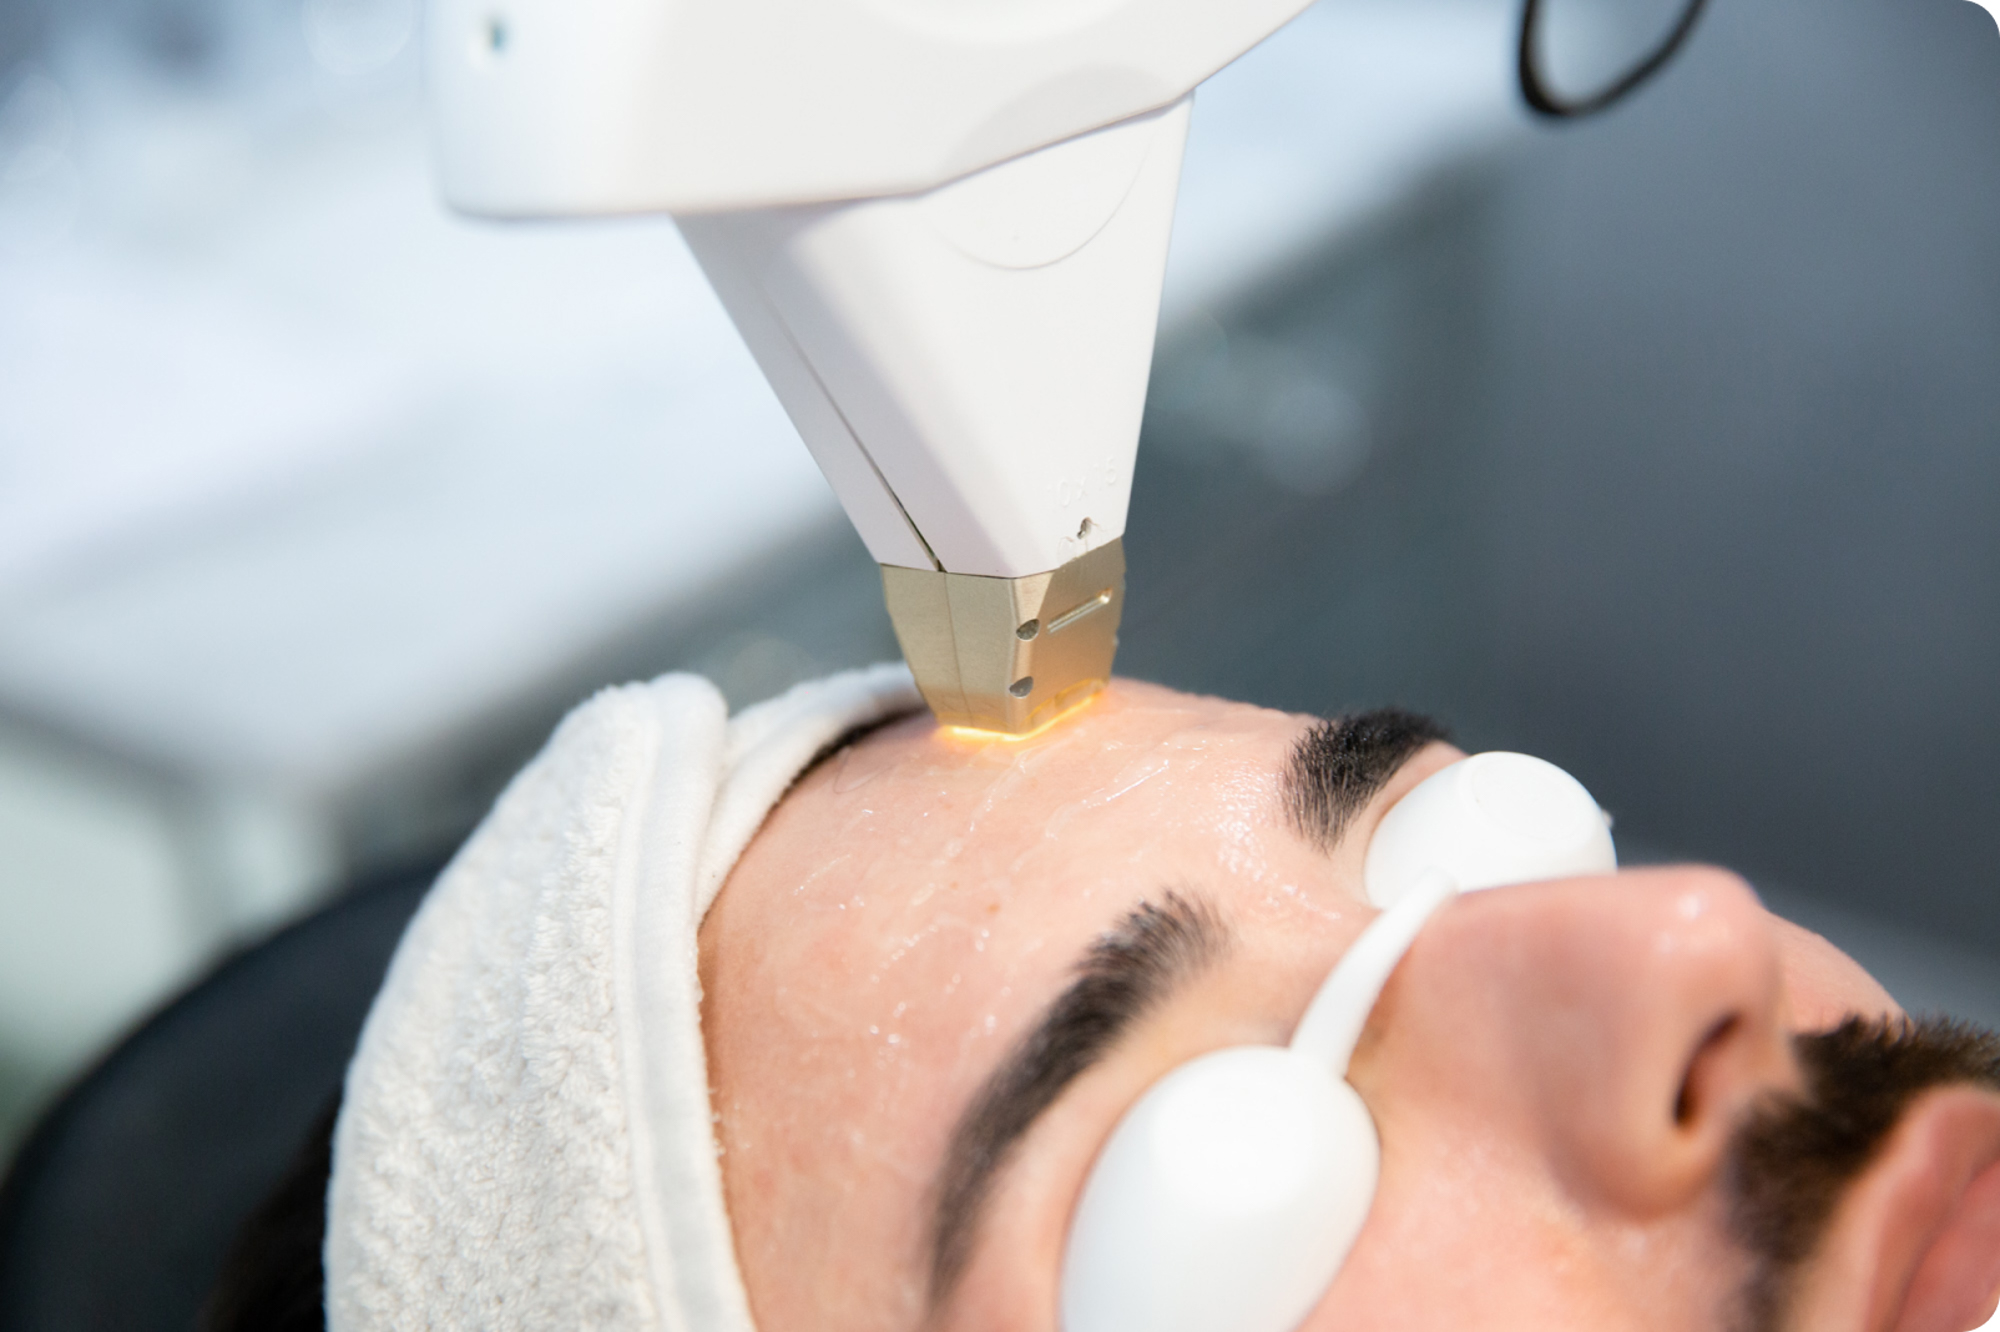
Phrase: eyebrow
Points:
(1333, 771)
(1150, 953)
(1338, 766)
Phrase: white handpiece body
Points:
(940, 225)
(555, 108)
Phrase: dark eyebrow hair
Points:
(1127, 971)
(1337, 767)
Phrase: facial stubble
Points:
(1796, 1156)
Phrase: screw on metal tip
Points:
(1009, 654)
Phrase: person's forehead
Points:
(917, 840)
(911, 906)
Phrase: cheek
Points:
(1454, 1237)
(1468, 1234)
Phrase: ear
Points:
(1915, 1246)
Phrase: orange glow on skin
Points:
(978, 735)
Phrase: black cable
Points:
(1542, 100)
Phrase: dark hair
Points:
(272, 1279)
(1796, 1155)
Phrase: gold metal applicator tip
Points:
(1010, 655)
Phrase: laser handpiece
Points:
(940, 225)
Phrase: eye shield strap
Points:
(1334, 1020)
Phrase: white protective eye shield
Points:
(1228, 1196)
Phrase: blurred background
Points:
(1666, 446)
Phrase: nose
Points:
(1618, 1025)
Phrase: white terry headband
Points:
(525, 1139)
